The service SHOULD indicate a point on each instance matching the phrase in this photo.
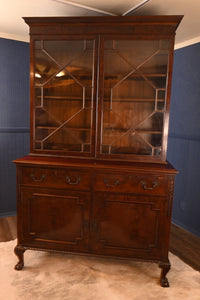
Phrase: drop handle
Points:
(145, 187)
(116, 182)
(37, 180)
(69, 181)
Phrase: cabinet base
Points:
(19, 251)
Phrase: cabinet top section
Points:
(167, 20)
(97, 25)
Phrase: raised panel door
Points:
(128, 226)
(55, 219)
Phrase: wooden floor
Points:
(183, 244)
(8, 229)
(186, 246)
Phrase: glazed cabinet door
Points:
(63, 92)
(129, 226)
(134, 98)
(55, 219)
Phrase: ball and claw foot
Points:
(19, 266)
(164, 282)
(19, 251)
(165, 269)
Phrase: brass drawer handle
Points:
(111, 185)
(145, 187)
(37, 180)
(69, 181)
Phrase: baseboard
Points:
(8, 214)
(186, 228)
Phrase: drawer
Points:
(155, 185)
(111, 182)
(139, 184)
(53, 177)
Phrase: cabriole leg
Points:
(19, 251)
(165, 269)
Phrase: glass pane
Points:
(64, 75)
(135, 79)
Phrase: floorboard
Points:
(8, 229)
(186, 246)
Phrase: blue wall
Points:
(184, 137)
(14, 117)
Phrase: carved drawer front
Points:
(53, 177)
(111, 182)
(139, 184)
(155, 185)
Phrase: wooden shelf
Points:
(111, 130)
(122, 100)
(122, 130)
(79, 147)
(135, 100)
(64, 98)
(110, 76)
(148, 131)
(55, 127)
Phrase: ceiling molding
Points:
(187, 43)
(15, 37)
(86, 7)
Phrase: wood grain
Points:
(8, 229)
(182, 243)
(186, 246)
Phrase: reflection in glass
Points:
(64, 87)
(135, 79)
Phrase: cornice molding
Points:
(23, 38)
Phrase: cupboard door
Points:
(64, 92)
(129, 226)
(134, 93)
(52, 219)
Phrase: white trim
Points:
(132, 9)
(86, 7)
(187, 43)
(12, 36)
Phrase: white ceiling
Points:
(12, 26)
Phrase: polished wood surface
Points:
(182, 243)
(55, 219)
(158, 25)
(95, 164)
(119, 213)
(103, 90)
(97, 180)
